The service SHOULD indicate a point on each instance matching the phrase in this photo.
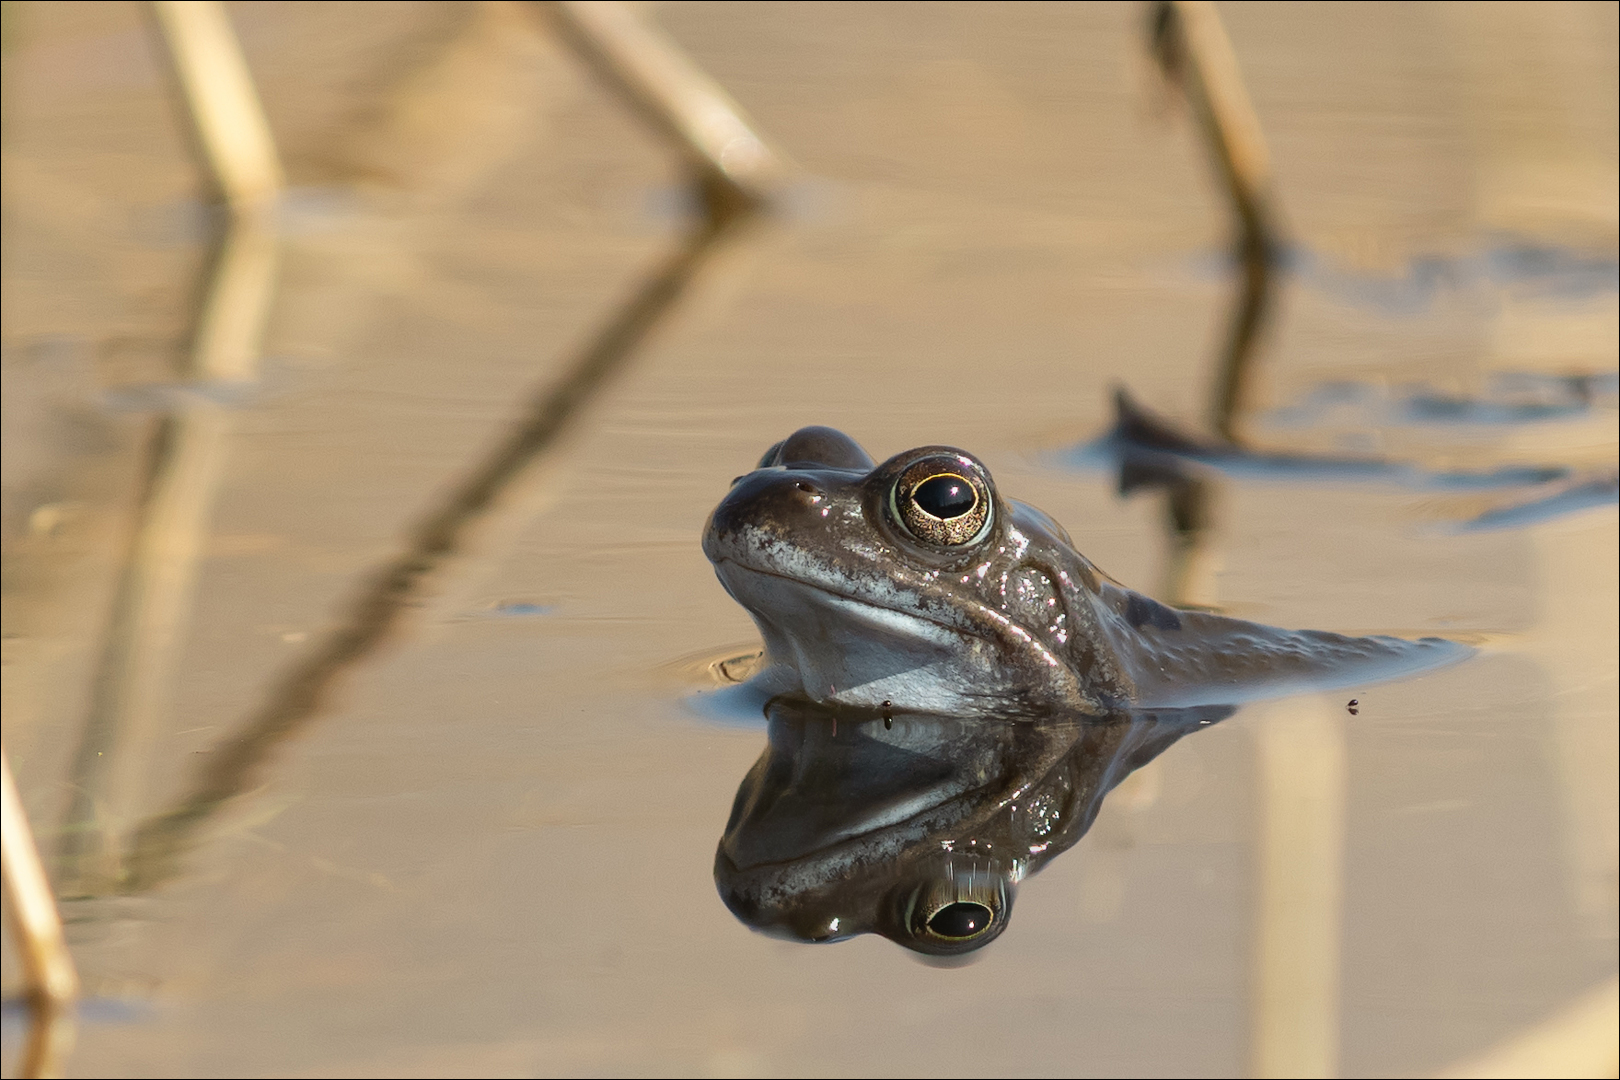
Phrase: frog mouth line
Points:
(896, 818)
(846, 597)
(925, 817)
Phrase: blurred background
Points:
(353, 603)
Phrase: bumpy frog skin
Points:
(915, 586)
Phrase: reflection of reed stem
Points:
(1301, 855)
(149, 614)
(153, 600)
(1248, 317)
(1190, 506)
(48, 968)
(230, 327)
(301, 693)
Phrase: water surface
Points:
(490, 851)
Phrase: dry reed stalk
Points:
(53, 985)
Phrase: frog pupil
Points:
(945, 497)
(960, 920)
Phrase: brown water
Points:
(491, 851)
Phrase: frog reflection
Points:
(919, 827)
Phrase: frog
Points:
(915, 585)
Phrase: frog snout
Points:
(768, 502)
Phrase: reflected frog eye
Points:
(942, 500)
(961, 921)
(960, 905)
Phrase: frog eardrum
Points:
(943, 500)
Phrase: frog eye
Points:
(942, 500)
(961, 921)
(961, 904)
